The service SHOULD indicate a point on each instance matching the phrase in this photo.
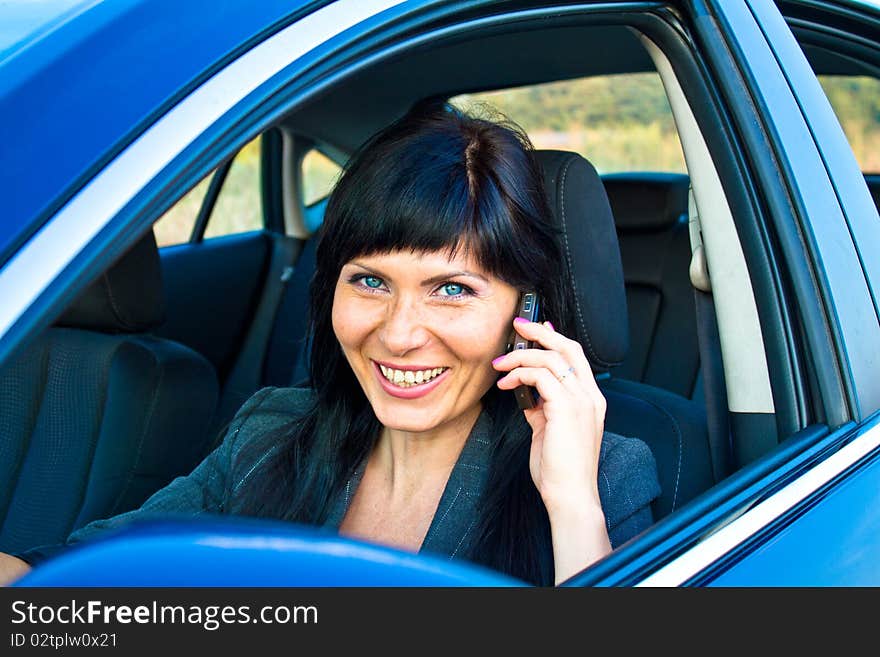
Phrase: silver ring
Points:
(567, 372)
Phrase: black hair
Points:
(436, 179)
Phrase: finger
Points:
(537, 421)
(582, 375)
(548, 338)
(551, 360)
(548, 386)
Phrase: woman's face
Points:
(420, 331)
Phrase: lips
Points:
(414, 389)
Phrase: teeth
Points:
(407, 378)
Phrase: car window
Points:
(237, 209)
(239, 206)
(856, 101)
(618, 122)
(176, 225)
(319, 175)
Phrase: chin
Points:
(413, 421)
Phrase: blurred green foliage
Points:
(856, 101)
(618, 122)
(239, 206)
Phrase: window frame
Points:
(269, 194)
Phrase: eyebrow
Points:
(432, 279)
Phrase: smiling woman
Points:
(407, 437)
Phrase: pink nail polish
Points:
(495, 360)
(550, 324)
(520, 320)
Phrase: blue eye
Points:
(372, 281)
(452, 289)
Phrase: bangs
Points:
(430, 206)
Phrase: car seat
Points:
(96, 413)
(651, 215)
(673, 426)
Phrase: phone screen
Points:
(530, 309)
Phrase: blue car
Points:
(165, 167)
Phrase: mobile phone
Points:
(530, 309)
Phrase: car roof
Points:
(23, 22)
(80, 80)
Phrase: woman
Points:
(408, 436)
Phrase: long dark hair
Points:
(436, 179)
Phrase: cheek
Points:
(485, 338)
(345, 319)
(353, 318)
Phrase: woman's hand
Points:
(568, 421)
(11, 569)
(567, 426)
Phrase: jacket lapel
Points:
(451, 530)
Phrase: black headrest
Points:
(873, 181)
(580, 206)
(653, 201)
(127, 298)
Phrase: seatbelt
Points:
(246, 375)
(711, 364)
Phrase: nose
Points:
(403, 328)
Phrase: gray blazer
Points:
(627, 481)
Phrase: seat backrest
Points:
(651, 215)
(97, 414)
(673, 426)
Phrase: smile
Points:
(409, 383)
(409, 378)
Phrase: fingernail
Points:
(550, 324)
(520, 320)
(501, 357)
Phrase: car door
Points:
(830, 535)
(817, 523)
